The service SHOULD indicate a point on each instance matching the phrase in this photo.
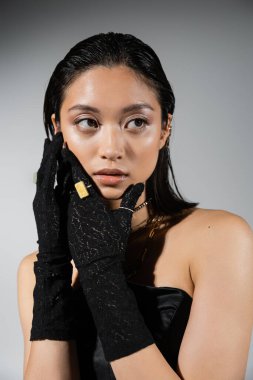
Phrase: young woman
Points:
(131, 281)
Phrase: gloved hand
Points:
(98, 239)
(52, 310)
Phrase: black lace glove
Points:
(52, 310)
(98, 239)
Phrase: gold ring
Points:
(81, 189)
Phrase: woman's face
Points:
(114, 135)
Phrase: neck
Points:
(138, 216)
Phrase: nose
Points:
(111, 145)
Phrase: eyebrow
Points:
(131, 107)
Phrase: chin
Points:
(111, 193)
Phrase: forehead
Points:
(109, 86)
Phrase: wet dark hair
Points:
(111, 49)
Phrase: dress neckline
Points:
(160, 287)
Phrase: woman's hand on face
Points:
(94, 231)
(98, 239)
(53, 307)
(48, 203)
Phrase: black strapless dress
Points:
(165, 310)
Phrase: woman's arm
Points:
(217, 338)
(46, 359)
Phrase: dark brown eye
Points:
(137, 123)
(86, 123)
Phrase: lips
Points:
(110, 172)
(110, 177)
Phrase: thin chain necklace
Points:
(143, 204)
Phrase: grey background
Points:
(206, 51)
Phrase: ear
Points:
(165, 132)
(56, 124)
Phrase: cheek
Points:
(147, 153)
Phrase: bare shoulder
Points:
(220, 224)
(223, 217)
(202, 228)
(211, 223)
(26, 278)
(219, 235)
(25, 286)
(219, 213)
(25, 269)
(27, 260)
